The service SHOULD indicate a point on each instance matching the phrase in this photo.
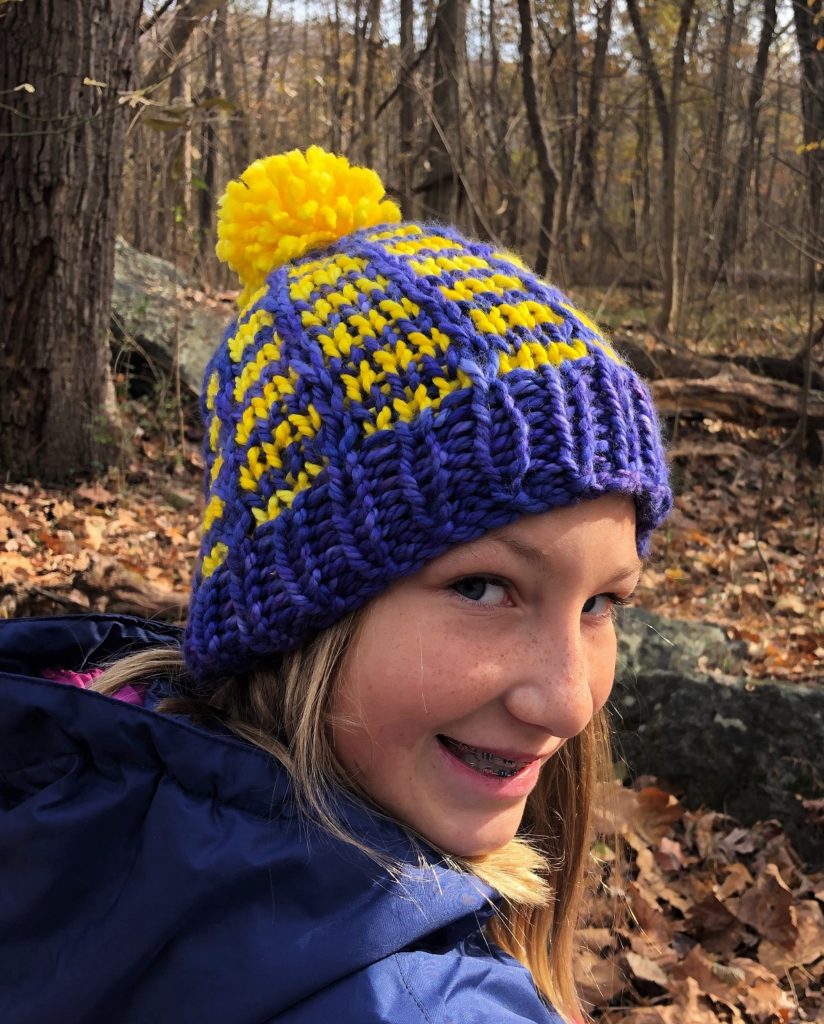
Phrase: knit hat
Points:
(387, 390)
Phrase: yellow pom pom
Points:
(283, 206)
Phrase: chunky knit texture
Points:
(379, 401)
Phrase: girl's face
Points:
(468, 675)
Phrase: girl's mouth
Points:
(483, 761)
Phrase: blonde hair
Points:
(284, 710)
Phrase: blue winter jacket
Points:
(152, 871)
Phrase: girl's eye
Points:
(602, 605)
(481, 589)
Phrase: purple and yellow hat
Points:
(387, 390)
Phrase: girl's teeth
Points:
(482, 760)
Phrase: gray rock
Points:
(684, 713)
(147, 315)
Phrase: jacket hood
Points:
(151, 857)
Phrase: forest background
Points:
(661, 161)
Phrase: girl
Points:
(360, 789)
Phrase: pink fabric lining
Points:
(128, 694)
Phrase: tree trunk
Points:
(238, 125)
(407, 104)
(178, 153)
(592, 126)
(743, 165)
(265, 58)
(671, 304)
(640, 184)
(59, 190)
(334, 74)
(373, 46)
(355, 77)
(442, 190)
(546, 164)
(570, 90)
(716, 153)
(501, 117)
(808, 34)
(668, 120)
(208, 169)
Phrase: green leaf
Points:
(218, 102)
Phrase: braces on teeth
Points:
(484, 762)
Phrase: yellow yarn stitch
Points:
(213, 511)
(215, 558)
(285, 205)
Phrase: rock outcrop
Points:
(685, 713)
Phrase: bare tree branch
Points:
(186, 19)
(149, 23)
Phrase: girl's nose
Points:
(551, 684)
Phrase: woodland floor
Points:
(721, 923)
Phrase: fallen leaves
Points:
(767, 907)
(100, 547)
(720, 923)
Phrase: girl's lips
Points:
(515, 786)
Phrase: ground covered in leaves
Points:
(714, 922)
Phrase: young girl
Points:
(360, 789)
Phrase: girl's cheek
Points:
(601, 650)
(605, 678)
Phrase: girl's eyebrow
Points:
(629, 572)
(537, 557)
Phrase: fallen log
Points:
(666, 359)
(737, 395)
(111, 588)
(663, 358)
(105, 586)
